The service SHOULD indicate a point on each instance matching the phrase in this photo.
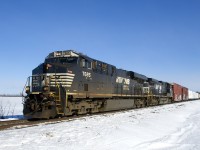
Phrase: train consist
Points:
(70, 83)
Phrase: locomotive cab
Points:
(47, 86)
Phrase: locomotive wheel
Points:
(33, 105)
(82, 110)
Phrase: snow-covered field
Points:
(11, 107)
(157, 128)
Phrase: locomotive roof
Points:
(66, 53)
(70, 53)
(137, 75)
(153, 80)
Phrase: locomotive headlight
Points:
(45, 88)
(27, 89)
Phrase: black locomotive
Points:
(70, 83)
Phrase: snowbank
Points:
(164, 127)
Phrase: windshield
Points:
(62, 60)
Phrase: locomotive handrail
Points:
(27, 80)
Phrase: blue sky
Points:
(157, 38)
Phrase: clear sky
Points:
(157, 38)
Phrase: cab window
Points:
(86, 64)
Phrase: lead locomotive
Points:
(70, 83)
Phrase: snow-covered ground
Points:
(11, 107)
(157, 128)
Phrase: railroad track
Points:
(11, 123)
(18, 124)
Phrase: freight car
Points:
(69, 83)
(179, 92)
(193, 95)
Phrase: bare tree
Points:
(1, 110)
(5, 110)
(13, 110)
(8, 108)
